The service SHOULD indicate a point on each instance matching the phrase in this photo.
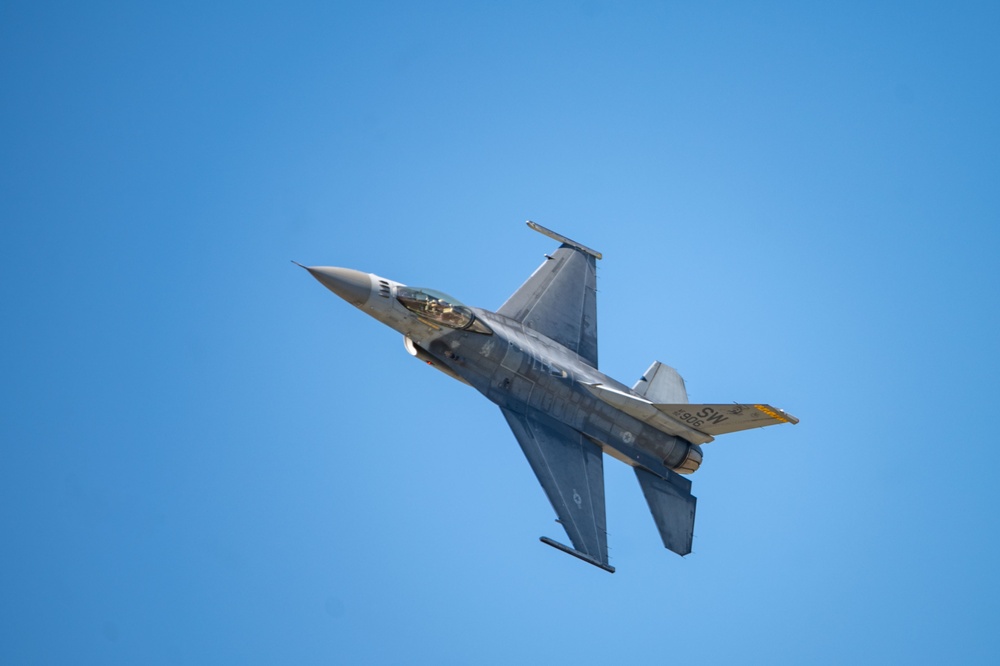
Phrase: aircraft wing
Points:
(559, 300)
(571, 470)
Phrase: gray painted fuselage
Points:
(536, 357)
(523, 370)
(517, 368)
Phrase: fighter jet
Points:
(536, 358)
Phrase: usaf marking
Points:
(706, 415)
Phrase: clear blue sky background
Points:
(205, 457)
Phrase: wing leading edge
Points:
(571, 470)
(559, 300)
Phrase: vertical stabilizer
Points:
(662, 385)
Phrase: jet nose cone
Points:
(353, 286)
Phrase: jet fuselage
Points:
(536, 357)
(517, 368)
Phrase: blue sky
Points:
(206, 457)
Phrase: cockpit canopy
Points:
(439, 308)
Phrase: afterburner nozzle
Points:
(353, 286)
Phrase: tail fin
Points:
(661, 384)
(672, 505)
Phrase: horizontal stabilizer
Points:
(661, 384)
(672, 505)
(697, 424)
(722, 419)
(647, 412)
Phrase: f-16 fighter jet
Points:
(536, 358)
